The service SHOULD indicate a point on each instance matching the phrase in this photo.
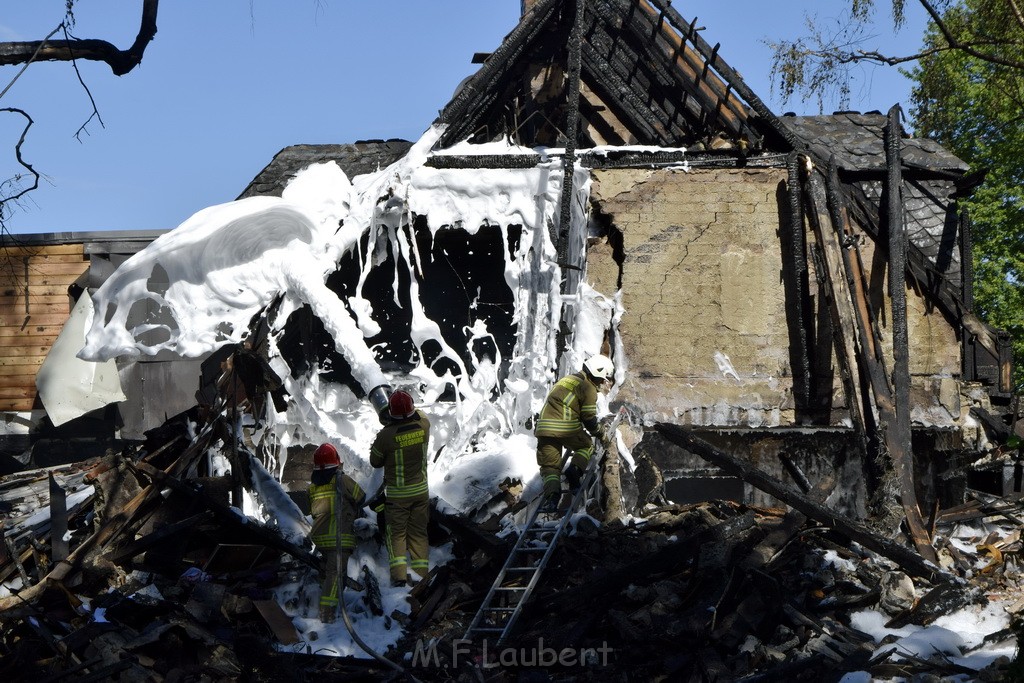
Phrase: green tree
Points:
(973, 103)
(969, 95)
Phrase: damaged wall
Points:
(698, 256)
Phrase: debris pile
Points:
(141, 566)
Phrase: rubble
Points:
(166, 579)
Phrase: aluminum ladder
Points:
(521, 572)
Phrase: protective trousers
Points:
(406, 534)
(549, 456)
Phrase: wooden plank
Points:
(21, 379)
(17, 271)
(11, 251)
(18, 301)
(18, 393)
(840, 302)
(29, 330)
(12, 361)
(17, 262)
(38, 309)
(23, 320)
(897, 443)
(39, 279)
(277, 620)
(31, 347)
(19, 405)
(35, 290)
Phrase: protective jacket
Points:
(401, 449)
(570, 407)
(322, 501)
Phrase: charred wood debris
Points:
(139, 566)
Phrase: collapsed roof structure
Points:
(783, 297)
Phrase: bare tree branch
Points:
(120, 61)
(95, 110)
(1018, 15)
(31, 59)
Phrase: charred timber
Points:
(464, 112)
(908, 560)
(730, 76)
(666, 559)
(119, 61)
(839, 298)
(795, 281)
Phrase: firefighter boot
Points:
(573, 474)
(549, 503)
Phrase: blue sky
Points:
(226, 84)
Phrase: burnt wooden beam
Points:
(844, 327)
(465, 110)
(230, 515)
(946, 295)
(730, 76)
(898, 432)
(612, 89)
(572, 124)
(152, 540)
(796, 282)
(651, 56)
(713, 89)
(897, 444)
(908, 560)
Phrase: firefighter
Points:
(401, 449)
(568, 420)
(324, 534)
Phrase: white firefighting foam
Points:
(229, 262)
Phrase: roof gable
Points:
(647, 77)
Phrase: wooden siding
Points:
(34, 305)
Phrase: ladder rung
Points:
(498, 609)
(481, 629)
(510, 588)
(521, 569)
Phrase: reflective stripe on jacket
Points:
(401, 449)
(570, 406)
(321, 502)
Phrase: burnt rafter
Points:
(689, 71)
(647, 78)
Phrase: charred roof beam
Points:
(729, 75)
(662, 87)
(672, 43)
(464, 113)
(614, 90)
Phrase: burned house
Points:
(753, 290)
(787, 301)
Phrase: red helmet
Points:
(325, 457)
(400, 405)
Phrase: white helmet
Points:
(599, 367)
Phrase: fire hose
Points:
(341, 572)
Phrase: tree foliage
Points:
(969, 95)
(974, 105)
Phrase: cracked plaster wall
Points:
(700, 270)
(701, 275)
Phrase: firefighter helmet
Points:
(400, 405)
(599, 367)
(325, 457)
